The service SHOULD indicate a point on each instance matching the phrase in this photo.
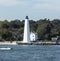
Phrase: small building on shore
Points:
(55, 38)
(33, 36)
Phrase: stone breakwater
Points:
(31, 43)
(40, 43)
(8, 43)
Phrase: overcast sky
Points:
(35, 9)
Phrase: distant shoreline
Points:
(31, 43)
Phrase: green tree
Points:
(7, 36)
(33, 25)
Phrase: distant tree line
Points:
(13, 30)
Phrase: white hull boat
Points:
(6, 48)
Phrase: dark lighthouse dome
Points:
(27, 17)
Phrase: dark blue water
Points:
(31, 53)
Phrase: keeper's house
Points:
(33, 36)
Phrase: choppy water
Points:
(31, 53)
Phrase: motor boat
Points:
(5, 48)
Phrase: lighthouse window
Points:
(33, 35)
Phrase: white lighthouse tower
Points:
(26, 38)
